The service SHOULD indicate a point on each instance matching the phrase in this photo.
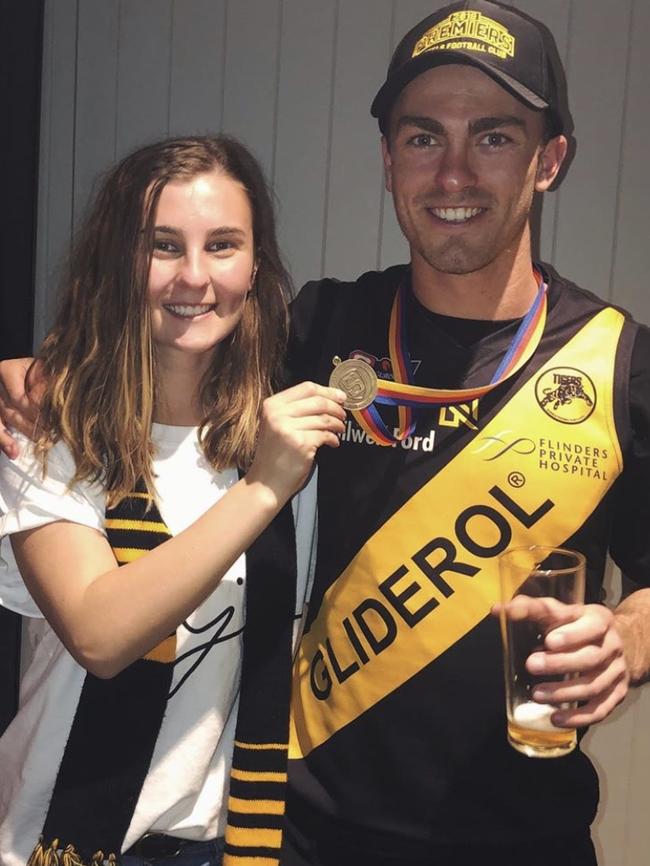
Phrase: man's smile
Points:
(456, 215)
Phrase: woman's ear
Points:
(253, 277)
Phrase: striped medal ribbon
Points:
(407, 396)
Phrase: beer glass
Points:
(538, 572)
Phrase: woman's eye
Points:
(222, 246)
(164, 246)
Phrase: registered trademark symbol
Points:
(516, 479)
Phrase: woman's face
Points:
(202, 266)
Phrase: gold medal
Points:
(357, 379)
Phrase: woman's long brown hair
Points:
(99, 358)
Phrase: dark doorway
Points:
(21, 49)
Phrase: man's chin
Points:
(458, 262)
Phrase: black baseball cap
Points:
(509, 46)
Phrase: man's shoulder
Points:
(325, 308)
(330, 292)
(583, 303)
(578, 296)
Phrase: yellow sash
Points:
(533, 475)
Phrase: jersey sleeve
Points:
(302, 311)
(311, 315)
(30, 498)
(630, 544)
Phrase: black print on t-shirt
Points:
(220, 624)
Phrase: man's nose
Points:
(455, 171)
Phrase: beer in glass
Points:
(538, 572)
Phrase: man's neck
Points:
(501, 290)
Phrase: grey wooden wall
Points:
(294, 80)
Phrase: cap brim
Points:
(391, 88)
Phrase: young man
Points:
(398, 750)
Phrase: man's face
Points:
(462, 161)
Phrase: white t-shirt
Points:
(185, 792)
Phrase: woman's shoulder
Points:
(58, 464)
(34, 491)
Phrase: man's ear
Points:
(388, 163)
(549, 162)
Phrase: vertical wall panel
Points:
(56, 158)
(252, 70)
(355, 178)
(303, 131)
(197, 63)
(588, 195)
(394, 248)
(630, 266)
(96, 107)
(637, 839)
(610, 745)
(556, 15)
(144, 72)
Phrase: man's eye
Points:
(422, 139)
(495, 139)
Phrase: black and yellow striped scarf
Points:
(117, 721)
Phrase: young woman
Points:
(129, 520)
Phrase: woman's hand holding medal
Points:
(294, 424)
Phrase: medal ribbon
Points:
(407, 396)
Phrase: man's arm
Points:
(602, 651)
(632, 618)
(18, 409)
